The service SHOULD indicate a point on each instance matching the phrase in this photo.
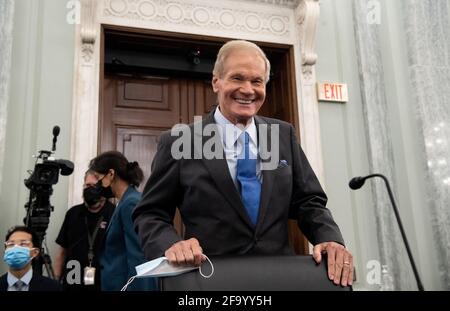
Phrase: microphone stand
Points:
(402, 231)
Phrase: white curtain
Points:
(6, 26)
(427, 28)
(380, 151)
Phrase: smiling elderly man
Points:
(231, 204)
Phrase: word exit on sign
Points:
(332, 92)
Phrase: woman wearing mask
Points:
(122, 252)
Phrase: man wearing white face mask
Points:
(20, 250)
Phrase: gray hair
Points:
(233, 45)
(89, 172)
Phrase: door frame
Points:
(289, 96)
(291, 23)
(291, 92)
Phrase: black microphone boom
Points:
(356, 183)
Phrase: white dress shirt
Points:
(26, 278)
(232, 145)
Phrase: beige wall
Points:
(40, 97)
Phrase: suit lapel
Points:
(116, 210)
(268, 177)
(218, 169)
(112, 219)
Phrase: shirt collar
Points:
(230, 132)
(26, 278)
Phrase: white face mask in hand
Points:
(160, 267)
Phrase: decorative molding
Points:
(85, 96)
(287, 3)
(188, 13)
(307, 72)
(87, 50)
(307, 16)
(88, 30)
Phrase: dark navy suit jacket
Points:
(37, 284)
(211, 207)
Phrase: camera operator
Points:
(21, 247)
(81, 237)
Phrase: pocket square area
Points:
(283, 163)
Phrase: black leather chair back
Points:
(246, 273)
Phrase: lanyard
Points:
(91, 238)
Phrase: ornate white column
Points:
(307, 17)
(6, 28)
(85, 97)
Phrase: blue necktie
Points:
(249, 184)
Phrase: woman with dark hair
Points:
(122, 252)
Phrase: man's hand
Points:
(340, 262)
(187, 252)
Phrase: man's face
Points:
(241, 90)
(90, 181)
(23, 239)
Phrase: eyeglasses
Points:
(23, 243)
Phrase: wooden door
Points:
(136, 108)
(135, 112)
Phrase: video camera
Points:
(43, 177)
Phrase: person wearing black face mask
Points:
(122, 251)
(81, 237)
(105, 192)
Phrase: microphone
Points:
(356, 183)
(56, 130)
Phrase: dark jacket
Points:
(38, 283)
(122, 252)
(211, 206)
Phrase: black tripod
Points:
(43, 260)
(45, 174)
